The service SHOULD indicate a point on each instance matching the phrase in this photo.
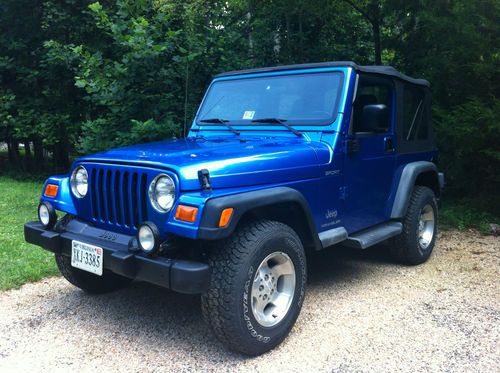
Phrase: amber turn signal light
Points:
(186, 213)
(225, 217)
(51, 190)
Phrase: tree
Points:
(78, 76)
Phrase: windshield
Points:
(303, 99)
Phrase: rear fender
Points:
(422, 173)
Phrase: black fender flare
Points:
(406, 184)
(245, 202)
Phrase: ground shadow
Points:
(143, 314)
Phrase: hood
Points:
(231, 162)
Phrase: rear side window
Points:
(415, 121)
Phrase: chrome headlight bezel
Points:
(155, 194)
(79, 179)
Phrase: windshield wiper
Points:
(278, 121)
(220, 121)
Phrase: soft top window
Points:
(415, 123)
(301, 99)
(372, 91)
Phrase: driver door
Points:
(370, 162)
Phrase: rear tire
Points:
(89, 282)
(257, 286)
(415, 244)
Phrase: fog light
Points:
(148, 237)
(47, 215)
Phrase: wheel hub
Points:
(273, 289)
(426, 225)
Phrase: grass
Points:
(469, 213)
(20, 262)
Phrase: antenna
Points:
(186, 96)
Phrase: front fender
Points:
(63, 201)
(245, 202)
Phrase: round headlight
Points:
(162, 193)
(47, 215)
(79, 182)
(148, 237)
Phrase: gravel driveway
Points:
(362, 313)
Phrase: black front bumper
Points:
(183, 276)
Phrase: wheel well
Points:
(430, 180)
(289, 213)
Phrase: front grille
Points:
(118, 197)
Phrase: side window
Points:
(372, 93)
(415, 123)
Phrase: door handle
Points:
(388, 145)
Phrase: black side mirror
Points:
(375, 118)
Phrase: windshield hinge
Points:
(204, 178)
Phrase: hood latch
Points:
(204, 178)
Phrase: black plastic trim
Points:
(156, 236)
(52, 214)
(183, 276)
(406, 184)
(247, 201)
(374, 235)
(374, 69)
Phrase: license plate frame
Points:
(87, 257)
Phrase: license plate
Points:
(86, 257)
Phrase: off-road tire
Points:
(226, 306)
(89, 282)
(405, 248)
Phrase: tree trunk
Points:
(374, 15)
(9, 151)
(14, 151)
(27, 155)
(61, 157)
(38, 154)
(249, 35)
(301, 40)
(288, 38)
(376, 42)
(61, 151)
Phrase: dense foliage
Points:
(78, 76)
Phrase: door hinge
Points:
(343, 192)
(352, 145)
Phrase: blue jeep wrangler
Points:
(279, 161)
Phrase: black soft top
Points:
(372, 69)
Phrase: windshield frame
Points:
(309, 123)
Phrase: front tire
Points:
(415, 244)
(89, 282)
(257, 286)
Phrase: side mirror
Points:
(375, 118)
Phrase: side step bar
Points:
(332, 236)
(372, 236)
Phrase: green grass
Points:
(20, 262)
(469, 213)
